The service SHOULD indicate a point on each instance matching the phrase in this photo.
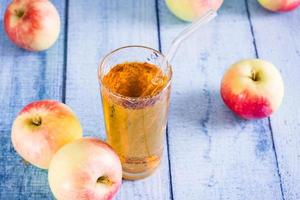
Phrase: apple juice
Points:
(135, 98)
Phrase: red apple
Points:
(32, 24)
(190, 10)
(252, 88)
(279, 5)
(85, 169)
(41, 129)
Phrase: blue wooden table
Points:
(210, 153)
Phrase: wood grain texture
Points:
(277, 37)
(95, 29)
(215, 155)
(25, 77)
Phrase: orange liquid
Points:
(136, 129)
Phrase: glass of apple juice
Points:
(135, 89)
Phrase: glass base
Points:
(137, 176)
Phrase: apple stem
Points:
(255, 76)
(37, 121)
(104, 180)
(20, 13)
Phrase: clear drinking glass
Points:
(135, 126)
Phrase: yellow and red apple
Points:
(85, 169)
(252, 88)
(279, 5)
(32, 24)
(190, 10)
(42, 128)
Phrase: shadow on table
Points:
(203, 109)
(7, 48)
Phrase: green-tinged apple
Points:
(32, 24)
(279, 5)
(190, 10)
(252, 88)
(42, 128)
(85, 169)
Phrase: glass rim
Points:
(107, 56)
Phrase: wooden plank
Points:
(96, 28)
(278, 40)
(215, 155)
(25, 77)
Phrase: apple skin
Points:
(190, 10)
(279, 5)
(252, 88)
(32, 24)
(41, 129)
(76, 169)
